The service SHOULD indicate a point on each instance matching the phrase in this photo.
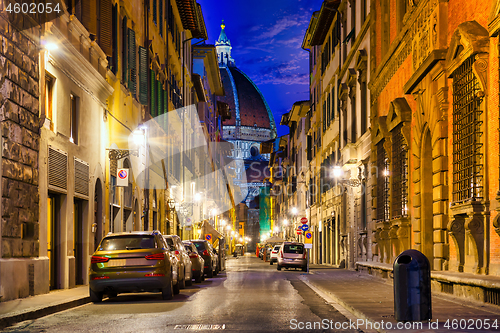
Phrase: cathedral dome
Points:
(251, 117)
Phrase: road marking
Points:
(200, 327)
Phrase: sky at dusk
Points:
(266, 36)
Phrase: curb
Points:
(31, 314)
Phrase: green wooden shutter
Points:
(132, 80)
(153, 109)
(160, 97)
(143, 76)
(124, 50)
(165, 101)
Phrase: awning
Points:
(206, 228)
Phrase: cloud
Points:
(281, 74)
(282, 24)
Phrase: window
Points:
(154, 11)
(399, 173)
(124, 50)
(382, 183)
(294, 249)
(128, 243)
(353, 115)
(49, 89)
(74, 119)
(467, 156)
(364, 94)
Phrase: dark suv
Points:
(137, 261)
(206, 250)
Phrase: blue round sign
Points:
(304, 227)
(308, 235)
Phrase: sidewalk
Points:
(34, 307)
(371, 299)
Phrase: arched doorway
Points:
(97, 227)
(427, 229)
(137, 216)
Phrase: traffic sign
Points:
(303, 220)
(299, 232)
(309, 237)
(208, 237)
(304, 227)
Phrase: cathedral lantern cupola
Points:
(223, 47)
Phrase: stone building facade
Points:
(72, 92)
(403, 143)
(21, 271)
(434, 126)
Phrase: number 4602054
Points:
(33, 8)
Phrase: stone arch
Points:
(426, 228)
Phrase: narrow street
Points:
(250, 296)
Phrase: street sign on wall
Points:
(304, 227)
(122, 177)
(303, 220)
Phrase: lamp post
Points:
(294, 212)
(338, 174)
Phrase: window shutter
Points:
(160, 17)
(124, 50)
(143, 76)
(114, 39)
(131, 61)
(106, 26)
(154, 11)
(160, 97)
(88, 16)
(153, 94)
(165, 101)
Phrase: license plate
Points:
(126, 262)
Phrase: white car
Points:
(274, 254)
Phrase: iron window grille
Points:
(467, 156)
(399, 173)
(382, 183)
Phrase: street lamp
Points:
(338, 173)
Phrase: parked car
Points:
(292, 254)
(197, 261)
(205, 250)
(185, 276)
(274, 254)
(137, 261)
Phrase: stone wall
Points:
(19, 106)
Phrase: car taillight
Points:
(305, 254)
(154, 274)
(177, 252)
(97, 259)
(157, 256)
(100, 277)
(205, 253)
(193, 255)
(281, 255)
(275, 252)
